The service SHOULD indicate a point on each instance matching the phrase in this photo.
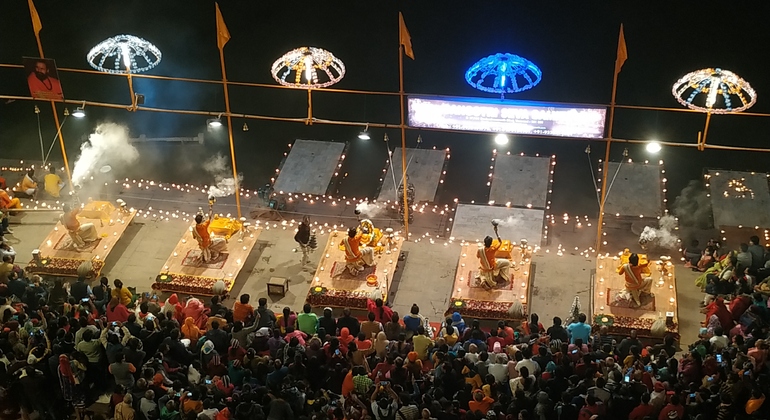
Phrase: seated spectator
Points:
(242, 311)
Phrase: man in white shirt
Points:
(499, 369)
(719, 341)
(527, 362)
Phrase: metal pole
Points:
(236, 182)
(606, 164)
(403, 137)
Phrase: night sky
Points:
(574, 43)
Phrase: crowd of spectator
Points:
(190, 359)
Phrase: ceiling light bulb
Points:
(653, 147)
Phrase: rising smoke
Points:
(369, 209)
(663, 236)
(693, 207)
(218, 168)
(107, 146)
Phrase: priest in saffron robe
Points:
(492, 270)
(637, 278)
(210, 247)
(356, 258)
(80, 233)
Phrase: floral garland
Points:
(67, 267)
(195, 285)
(337, 297)
(623, 325)
(484, 309)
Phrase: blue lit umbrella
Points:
(503, 73)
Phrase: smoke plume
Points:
(663, 236)
(693, 207)
(217, 166)
(509, 221)
(369, 209)
(107, 145)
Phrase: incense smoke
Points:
(664, 235)
(509, 221)
(693, 207)
(369, 209)
(217, 167)
(107, 145)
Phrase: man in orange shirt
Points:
(492, 268)
(242, 310)
(6, 202)
(210, 247)
(480, 402)
(356, 258)
(80, 233)
(636, 277)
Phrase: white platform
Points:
(637, 190)
(522, 181)
(424, 172)
(473, 222)
(310, 167)
(749, 208)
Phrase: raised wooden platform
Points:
(622, 320)
(343, 290)
(56, 261)
(473, 301)
(186, 275)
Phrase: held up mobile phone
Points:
(747, 373)
(208, 381)
(85, 300)
(648, 368)
(692, 395)
(719, 357)
(574, 351)
(627, 378)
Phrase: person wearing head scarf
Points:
(718, 308)
(172, 308)
(191, 331)
(70, 383)
(345, 337)
(458, 322)
(195, 309)
(117, 311)
(414, 364)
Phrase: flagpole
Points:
(607, 152)
(36, 25)
(403, 137)
(236, 182)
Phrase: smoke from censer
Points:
(664, 235)
(217, 166)
(108, 147)
(369, 209)
(693, 207)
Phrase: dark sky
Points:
(573, 42)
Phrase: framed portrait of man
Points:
(43, 78)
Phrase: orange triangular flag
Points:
(223, 35)
(404, 38)
(36, 24)
(622, 51)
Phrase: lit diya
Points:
(371, 280)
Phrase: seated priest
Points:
(355, 258)
(492, 270)
(80, 233)
(637, 278)
(28, 186)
